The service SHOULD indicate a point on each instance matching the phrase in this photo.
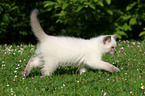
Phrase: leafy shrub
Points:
(79, 18)
(93, 17)
(131, 18)
(83, 17)
(14, 20)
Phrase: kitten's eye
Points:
(112, 47)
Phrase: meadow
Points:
(66, 81)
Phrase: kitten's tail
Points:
(36, 27)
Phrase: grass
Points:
(66, 81)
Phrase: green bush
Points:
(15, 19)
(79, 18)
(83, 18)
(92, 17)
(131, 20)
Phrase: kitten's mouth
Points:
(113, 52)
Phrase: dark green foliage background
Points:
(15, 20)
(79, 18)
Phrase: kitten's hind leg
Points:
(49, 67)
(33, 62)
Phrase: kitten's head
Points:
(109, 44)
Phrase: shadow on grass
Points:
(69, 70)
(59, 71)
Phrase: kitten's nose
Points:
(114, 51)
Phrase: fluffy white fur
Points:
(53, 51)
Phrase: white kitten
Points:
(54, 51)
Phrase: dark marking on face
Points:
(107, 39)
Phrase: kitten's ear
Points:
(114, 36)
(106, 39)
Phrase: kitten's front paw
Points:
(115, 69)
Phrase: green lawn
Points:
(66, 81)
